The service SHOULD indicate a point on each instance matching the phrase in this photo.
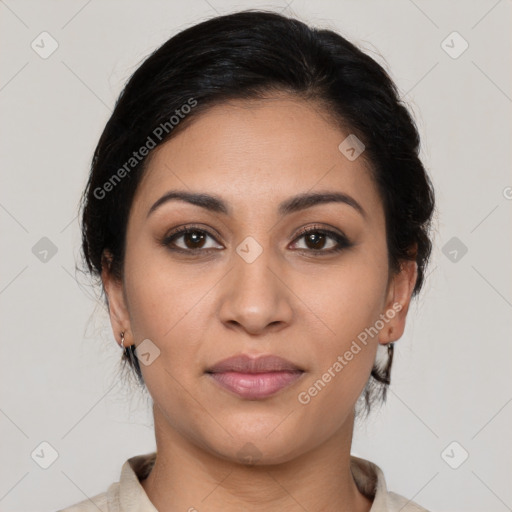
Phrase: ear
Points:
(119, 316)
(398, 299)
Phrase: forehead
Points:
(257, 150)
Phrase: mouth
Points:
(254, 378)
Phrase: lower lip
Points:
(254, 386)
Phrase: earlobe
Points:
(118, 312)
(398, 301)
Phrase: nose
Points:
(255, 296)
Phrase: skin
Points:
(200, 309)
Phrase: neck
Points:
(187, 477)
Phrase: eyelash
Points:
(341, 240)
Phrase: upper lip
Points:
(245, 363)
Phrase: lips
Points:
(247, 364)
(254, 378)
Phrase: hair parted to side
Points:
(255, 54)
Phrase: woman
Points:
(260, 219)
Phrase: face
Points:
(258, 274)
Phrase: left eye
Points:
(315, 240)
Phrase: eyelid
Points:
(319, 227)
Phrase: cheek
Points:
(348, 296)
(349, 299)
(169, 307)
(160, 293)
(343, 359)
(166, 306)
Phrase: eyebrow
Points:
(293, 204)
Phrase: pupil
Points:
(316, 238)
(195, 236)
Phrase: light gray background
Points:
(59, 361)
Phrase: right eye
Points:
(193, 239)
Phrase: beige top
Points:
(128, 495)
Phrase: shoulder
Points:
(89, 505)
(126, 494)
(102, 502)
(402, 504)
(371, 482)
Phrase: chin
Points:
(259, 449)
